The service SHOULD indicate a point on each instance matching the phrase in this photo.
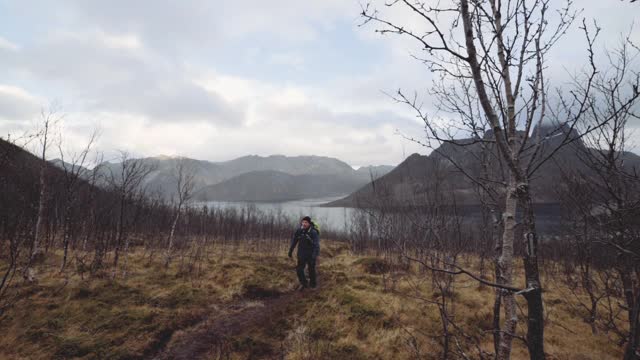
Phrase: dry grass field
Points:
(244, 306)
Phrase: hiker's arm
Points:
(316, 244)
(294, 242)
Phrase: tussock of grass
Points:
(373, 265)
(255, 347)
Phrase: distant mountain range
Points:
(257, 178)
(270, 185)
(414, 181)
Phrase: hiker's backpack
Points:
(315, 226)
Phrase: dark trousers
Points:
(311, 263)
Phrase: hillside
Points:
(162, 179)
(19, 182)
(374, 171)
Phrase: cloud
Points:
(290, 60)
(126, 41)
(289, 136)
(294, 120)
(17, 104)
(310, 113)
(161, 22)
(111, 72)
(7, 45)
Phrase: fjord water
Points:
(335, 218)
(339, 218)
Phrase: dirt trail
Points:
(212, 335)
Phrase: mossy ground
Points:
(351, 316)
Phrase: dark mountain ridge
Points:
(413, 181)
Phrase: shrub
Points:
(373, 265)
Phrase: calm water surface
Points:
(336, 218)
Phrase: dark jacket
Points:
(308, 242)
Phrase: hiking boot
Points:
(301, 287)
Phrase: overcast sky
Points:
(216, 80)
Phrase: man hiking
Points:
(307, 238)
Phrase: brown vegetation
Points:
(243, 306)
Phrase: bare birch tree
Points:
(74, 171)
(49, 118)
(184, 179)
(127, 183)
